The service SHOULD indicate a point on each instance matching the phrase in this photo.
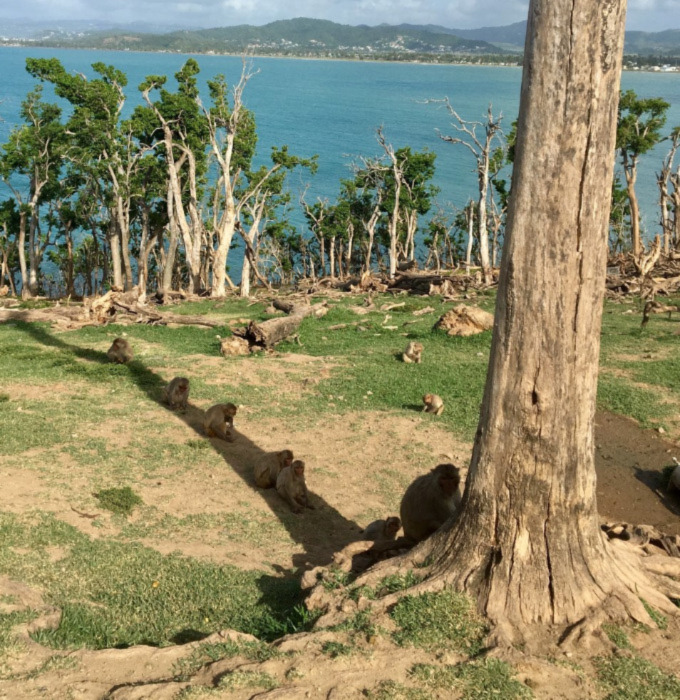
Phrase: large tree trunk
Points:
(116, 261)
(225, 236)
(527, 543)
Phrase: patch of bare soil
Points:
(630, 484)
(358, 468)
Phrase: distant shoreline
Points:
(674, 70)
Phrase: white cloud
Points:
(649, 15)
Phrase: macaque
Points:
(268, 469)
(433, 404)
(120, 351)
(413, 353)
(292, 488)
(219, 421)
(430, 501)
(176, 394)
(674, 481)
(382, 530)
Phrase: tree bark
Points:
(527, 543)
(630, 172)
(21, 247)
(267, 334)
(471, 238)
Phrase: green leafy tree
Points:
(261, 195)
(30, 166)
(182, 131)
(105, 148)
(639, 129)
(233, 140)
(416, 194)
(9, 229)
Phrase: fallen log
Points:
(304, 310)
(267, 334)
(104, 310)
(654, 307)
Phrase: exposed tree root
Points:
(629, 583)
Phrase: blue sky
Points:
(646, 15)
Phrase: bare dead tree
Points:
(481, 149)
(663, 178)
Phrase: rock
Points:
(465, 320)
(234, 346)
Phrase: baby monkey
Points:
(413, 353)
(219, 421)
(433, 404)
(120, 351)
(382, 530)
(292, 487)
(176, 394)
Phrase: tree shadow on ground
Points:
(656, 482)
(321, 532)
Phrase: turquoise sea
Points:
(332, 108)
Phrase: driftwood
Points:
(368, 283)
(113, 307)
(266, 334)
(437, 284)
(650, 275)
(648, 537)
(654, 307)
(303, 310)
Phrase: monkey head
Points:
(448, 478)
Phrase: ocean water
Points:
(333, 108)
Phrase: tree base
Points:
(636, 587)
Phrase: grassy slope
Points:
(113, 590)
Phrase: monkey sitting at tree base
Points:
(430, 501)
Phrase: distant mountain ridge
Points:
(312, 37)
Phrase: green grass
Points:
(114, 594)
(207, 653)
(660, 620)
(61, 401)
(8, 621)
(444, 620)
(391, 690)
(489, 679)
(121, 501)
(635, 679)
(359, 625)
(617, 636)
(247, 679)
(371, 362)
(368, 374)
(335, 649)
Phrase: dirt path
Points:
(630, 487)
